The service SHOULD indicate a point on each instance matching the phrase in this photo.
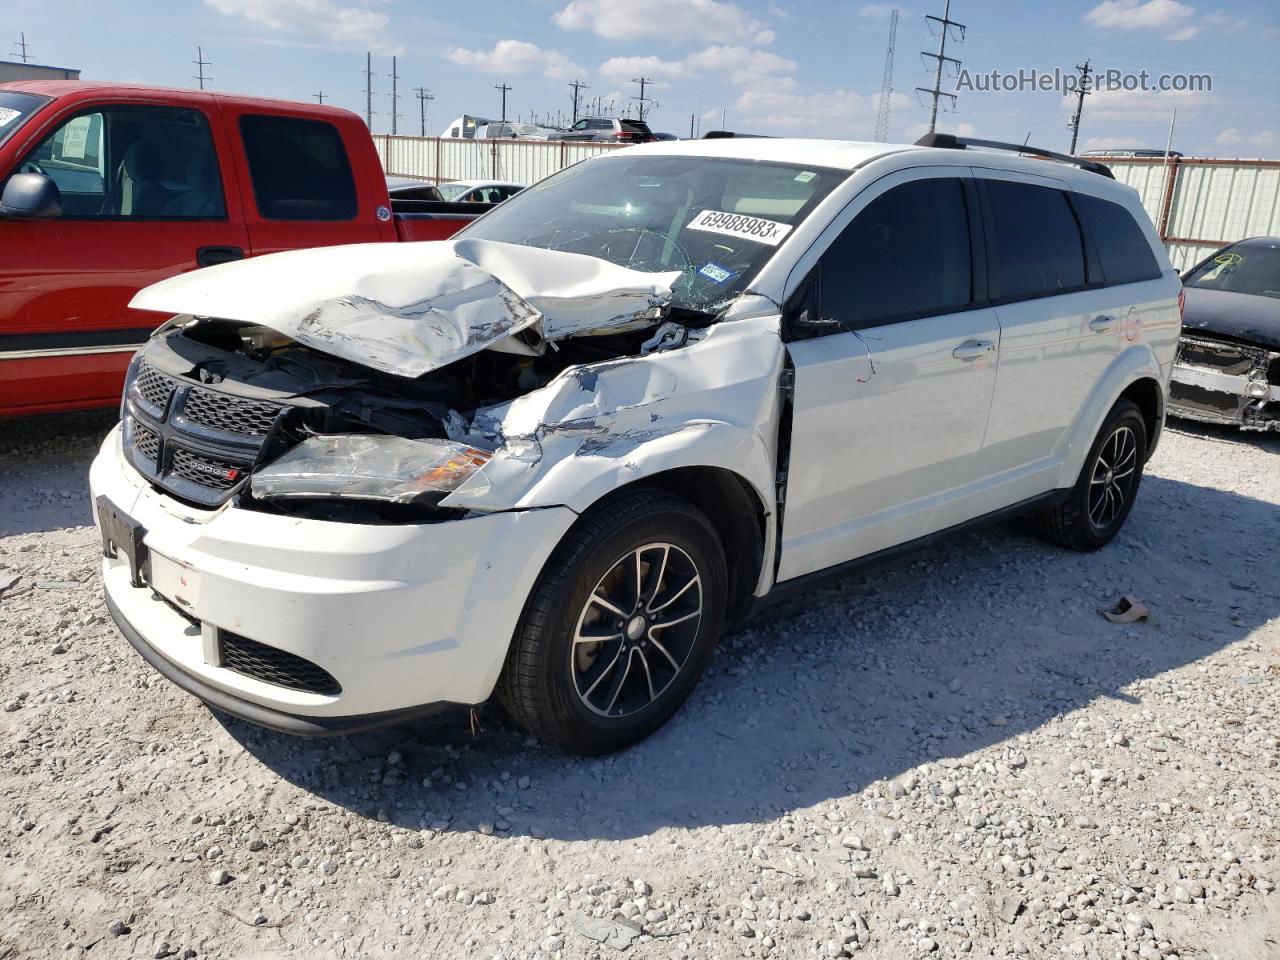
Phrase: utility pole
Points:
(504, 88)
(423, 95)
(642, 98)
(691, 118)
(319, 95)
(945, 24)
(21, 52)
(1082, 92)
(201, 63)
(578, 87)
(395, 96)
(886, 84)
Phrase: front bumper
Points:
(403, 617)
(1244, 399)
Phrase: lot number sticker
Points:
(737, 225)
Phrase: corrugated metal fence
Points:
(1199, 205)
(518, 161)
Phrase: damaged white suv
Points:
(551, 458)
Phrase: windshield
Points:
(715, 220)
(451, 191)
(15, 108)
(1241, 269)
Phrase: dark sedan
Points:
(1228, 364)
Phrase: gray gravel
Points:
(952, 755)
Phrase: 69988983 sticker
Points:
(769, 232)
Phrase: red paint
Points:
(63, 275)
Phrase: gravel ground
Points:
(951, 755)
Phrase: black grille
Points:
(274, 666)
(147, 443)
(250, 418)
(206, 471)
(154, 387)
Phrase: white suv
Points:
(551, 458)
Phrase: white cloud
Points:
(1113, 143)
(709, 20)
(1140, 105)
(917, 130)
(738, 65)
(779, 12)
(1263, 139)
(624, 68)
(1166, 15)
(516, 56)
(342, 23)
(877, 11)
(823, 113)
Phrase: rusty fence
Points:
(1201, 204)
(519, 161)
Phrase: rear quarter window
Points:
(1121, 244)
(299, 169)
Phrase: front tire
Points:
(1099, 503)
(620, 625)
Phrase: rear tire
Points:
(620, 625)
(1099, 503)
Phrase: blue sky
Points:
(799, 67)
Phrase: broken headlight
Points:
(369, 467)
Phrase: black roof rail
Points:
(726, 134)
(949, 141)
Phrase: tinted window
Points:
(1037, 243)
(1244, 268)
(907, 254)
(1122, 246)
(154, 163)
(299, 169)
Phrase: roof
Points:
(82, 88)
(38, 66)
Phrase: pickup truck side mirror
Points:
(31, 195)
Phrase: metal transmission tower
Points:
(642, 99)
(368, 90)
(22, 51)
(423, 95)
(504, 88)
(886, 85)
(945, 24)
(1081, 93)
(201, 63)
(395, 95)
(578, 87)
(319, 95)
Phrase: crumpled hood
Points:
(409, 308)
(1242, 316)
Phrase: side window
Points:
(1122, 246)
(299, 169)
(906, 255)
(152, 163)
(1036, 240)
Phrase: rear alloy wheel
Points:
(620, 625)
(1099, 503)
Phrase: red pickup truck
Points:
(108, 188)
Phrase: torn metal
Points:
(410, 308)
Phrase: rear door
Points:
(302, 187)
(894, 356)
(1055, 338)
(144, 197)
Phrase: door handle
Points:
(1102, 324)
(211, 256)
(973, 349)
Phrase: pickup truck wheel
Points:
(620, 625)
(1100, 501)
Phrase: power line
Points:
(886, 85)
(578, 87)
(945, 24)
(395, 95)
(23, 47)
(642, 98)
(1081, 93)
(504, 88)
(423, 95)
(201, 63)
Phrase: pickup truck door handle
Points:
(973, 349)
(1102, 324)
(210, 256)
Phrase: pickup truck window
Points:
(151, 163)
(15, 107)
(299, 168)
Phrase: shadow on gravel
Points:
(44, 470)
(963, 646)
(1220, 433)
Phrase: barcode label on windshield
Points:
(738, 225)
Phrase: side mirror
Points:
(811, 325)
(31, 195)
